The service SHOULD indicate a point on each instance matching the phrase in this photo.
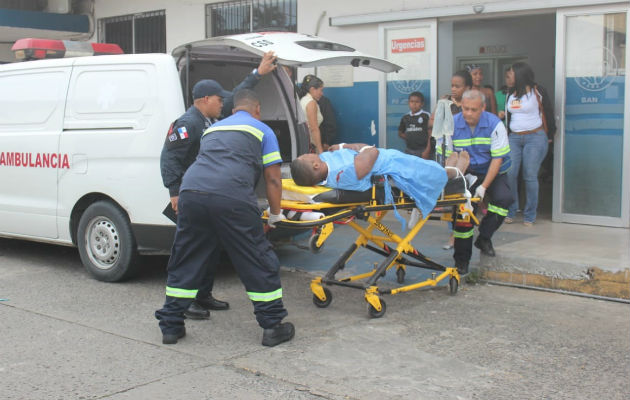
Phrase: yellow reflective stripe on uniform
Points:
(463, 235)
(462, 142)
(472, 141)
(273, 156)
(181, 293)
(241, 128)
(497, 210)
(448, 152)
(269, 296)
(481, 140)
(500, 152)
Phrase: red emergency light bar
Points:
(37, 49)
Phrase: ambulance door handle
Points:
(79, 163)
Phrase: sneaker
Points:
(485, 245)
(172, 338)
(196, 311)
(508, 220)
(283, 332)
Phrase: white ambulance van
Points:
(80, 137)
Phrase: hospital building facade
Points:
(577, 49)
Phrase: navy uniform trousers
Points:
(500, 198)
(206, 224)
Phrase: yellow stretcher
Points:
(350, 207)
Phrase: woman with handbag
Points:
(531, 126)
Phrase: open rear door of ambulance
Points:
(292, 49)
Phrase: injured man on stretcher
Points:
(351, 167)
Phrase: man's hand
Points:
(274, 218)
(174, 203)
(480, 192)
(267, 64)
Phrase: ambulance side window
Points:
(32, 100)
(102, 97)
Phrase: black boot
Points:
(462, 267)
(210, 303)
(172, 338)
(485, 245)
(196, 311)
(278, 334)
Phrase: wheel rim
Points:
(102, 242)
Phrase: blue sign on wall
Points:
(397, 106)
(593, 145)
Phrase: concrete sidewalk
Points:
(575, 258)
(67, 336)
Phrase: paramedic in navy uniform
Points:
(182, 145)
(218, 210)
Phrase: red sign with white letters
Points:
(407, 45)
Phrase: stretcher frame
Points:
(402, 254)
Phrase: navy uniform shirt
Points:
(181, 145)
(232, 156)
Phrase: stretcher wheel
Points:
(325, 303)
(453, 286)
(312, 243)
(374, 313)
(400, 275)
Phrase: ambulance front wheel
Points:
(106, 243)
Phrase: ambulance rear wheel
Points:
(323, 304)
(106, 243)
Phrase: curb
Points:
(589, 280)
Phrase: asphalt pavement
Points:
(67, 336)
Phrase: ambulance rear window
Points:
(319, 45)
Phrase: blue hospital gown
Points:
(422, 180)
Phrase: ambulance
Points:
(80, 137)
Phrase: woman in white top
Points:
(531, 126)
(312, 90)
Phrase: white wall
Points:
(185, 20)
(6, 55)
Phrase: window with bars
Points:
(242, 16)
(136, 33)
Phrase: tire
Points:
(374, 313)
(325, 303)
(400, 275)
(312, 244)
(106, 242)
(453, 286)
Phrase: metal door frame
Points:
(557, 214)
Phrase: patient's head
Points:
(306, 170)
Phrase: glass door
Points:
(414, 47)
(593, 140)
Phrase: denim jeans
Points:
(527, 151)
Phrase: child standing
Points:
(414, 129)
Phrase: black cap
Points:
(208, 87)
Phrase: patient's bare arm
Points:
(364, 161)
